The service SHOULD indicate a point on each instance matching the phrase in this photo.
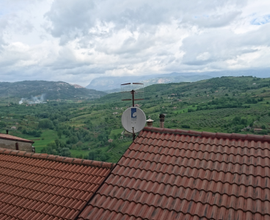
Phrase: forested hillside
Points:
(93, 129)
(45, 90)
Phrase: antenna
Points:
(8, 101)
(133, 119)
(132, 88)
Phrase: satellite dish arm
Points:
(133, 133)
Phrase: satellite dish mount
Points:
(133, 118)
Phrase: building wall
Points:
(10, 144)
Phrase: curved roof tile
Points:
(41, 186)
(184, 174)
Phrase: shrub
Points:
(185, 126)
(264, 132)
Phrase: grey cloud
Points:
(68, 18)
(25, 27)
(83, 70)
(222, 45)
(4, 22)
(78, 75)
(130, 45)
(259, 37)
(22, 26)
(150, 14)
(13, 74)
(122, 37)
(211, 21)
(66, 59)
(11, 57)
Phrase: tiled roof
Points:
(14, 138)
(41, 186)
(177, 174)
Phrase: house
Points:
(164, 174)
(15, 143)
(179, 174)
(41, 186)
(257, 130)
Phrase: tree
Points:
(65, 152)
(45, 123)
(91, 155)
(104, 157)
(59, 134)
(57, 143)
(2, 124)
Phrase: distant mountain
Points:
(40, 91)
(200, 90)
(112, 84)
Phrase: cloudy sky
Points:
(78, 40)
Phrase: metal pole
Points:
(132, 92)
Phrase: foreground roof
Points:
(177, 174)
(41, 186)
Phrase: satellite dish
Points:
(133, 119)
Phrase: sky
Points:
(78, 40)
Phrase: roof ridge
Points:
(209, 134)
(68, 160)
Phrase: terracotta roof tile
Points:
(39, 186)
(179, 174)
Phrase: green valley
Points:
(92, 128)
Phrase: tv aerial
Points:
(133, 119)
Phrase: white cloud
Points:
(75, 41)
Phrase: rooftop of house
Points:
(164, 174)
(41, 186)
(14, 138)
(179, 174)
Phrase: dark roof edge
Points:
(104, 180)
(57, 158)
(250, 137)
(17, 139)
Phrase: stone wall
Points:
(11, 144)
